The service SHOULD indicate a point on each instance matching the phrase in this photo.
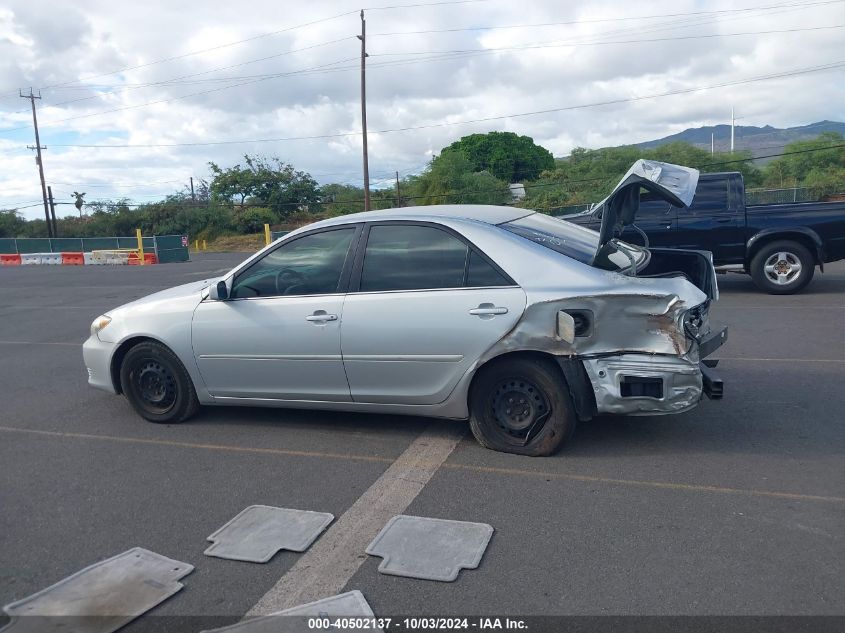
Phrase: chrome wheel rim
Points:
(782, 268)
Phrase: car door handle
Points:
(321, 317)
(488, 309)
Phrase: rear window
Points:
(572, 240)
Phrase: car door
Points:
(714, 222)
(424, 304)
(278, 334)
(657, 218)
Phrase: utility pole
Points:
(712, 143)
(363, 38)
(38, 160)
(52, 211)
(398, 193)
(193, 197)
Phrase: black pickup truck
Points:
(779, 245)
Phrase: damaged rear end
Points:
(636, 342)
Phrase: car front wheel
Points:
(157, 385)
(521, 406)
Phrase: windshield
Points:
(572, 240)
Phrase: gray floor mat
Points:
(351, 604)
(431, 549)
(100, 598)
(258, 532)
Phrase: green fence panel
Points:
(274, 235)
(66, 244)
(172, 248)
(7, 245)
(33, 245)
(99, 243)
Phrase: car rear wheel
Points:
(521, 406)
(157, 385)
(782, 268)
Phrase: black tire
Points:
(773, 268)
(521, 406)
(157, 385)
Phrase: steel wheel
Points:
(521, 405)
(520, 409)
(155, 386)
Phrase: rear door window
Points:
(421, 257)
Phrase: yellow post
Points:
(140, 246)
(204, 245)
(197, 245)
(268, 237)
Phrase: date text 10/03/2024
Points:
(416, 624)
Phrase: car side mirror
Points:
(219, 291)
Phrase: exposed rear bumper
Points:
(712, 342)
(711, 381)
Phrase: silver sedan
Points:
(520, 322)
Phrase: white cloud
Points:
(79, 42)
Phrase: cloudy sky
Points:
(138, 97)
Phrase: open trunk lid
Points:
(674, 183)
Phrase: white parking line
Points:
(329, 564)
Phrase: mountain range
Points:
(761, 141)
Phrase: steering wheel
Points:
(288, 277)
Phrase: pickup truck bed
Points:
(779, 245)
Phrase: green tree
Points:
(11, 223)
(804, 158)
(450, 179)
(505, 155)
(266, 182)
(253, 220)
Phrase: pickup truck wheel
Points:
(157, 385)
(782, 268)
(521, 406)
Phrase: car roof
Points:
(487, 213)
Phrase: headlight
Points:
(696, 321)
(99, 323)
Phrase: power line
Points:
(205, 50)
(185, 96)
(604, 43)
(176, 80)
(462, 52)
(253, 38)
(423, 4)
(443, 55)
(602, 20)
(780, 75)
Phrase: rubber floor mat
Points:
(258, 532)
(431, 549)
(351, 604)
(100, 598)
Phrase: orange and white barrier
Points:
(94, 258)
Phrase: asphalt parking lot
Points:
(734, 508)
